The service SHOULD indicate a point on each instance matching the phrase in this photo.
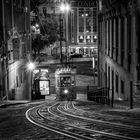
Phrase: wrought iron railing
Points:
(98, 94)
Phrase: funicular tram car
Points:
(65, 84)
(41, 85)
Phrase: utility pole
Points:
(60, 26)
(131, 95)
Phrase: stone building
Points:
(79, 25)
(14, 49)
(119, 47)
(83, 39)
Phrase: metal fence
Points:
(93, 93)
(98, 94)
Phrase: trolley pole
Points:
(60, 26)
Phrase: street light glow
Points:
(62, 7)
(36, 25)
(65, 7)
(31, 66)
(66, 91)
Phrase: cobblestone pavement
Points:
(107, 113)
(15, 126)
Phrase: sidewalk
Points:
(81, 97)
(12, 102)
(126, 105)
(117, 104)
(16, 102)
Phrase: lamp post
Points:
(60, 20)
(64, 8)
(31, 67)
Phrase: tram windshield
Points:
(64, 81)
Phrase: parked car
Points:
(75, 55)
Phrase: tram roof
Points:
(64, 71)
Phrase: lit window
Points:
(100, 5)
(94, 38)
(81, 39)
(88, 39)
(81, 12)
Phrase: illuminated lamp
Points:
(36, 25)
(31, 66)
(95, 37)
(88, 37)
(67, 7)
(66, 91)
(62, 7)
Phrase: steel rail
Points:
(102, 123)
(114, 136)
(122, 126)
(51, 128)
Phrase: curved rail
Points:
(60, 119)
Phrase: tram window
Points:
(72, 81)
(58, 82)
(65, 82)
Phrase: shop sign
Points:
(44, 87)
(83, 4)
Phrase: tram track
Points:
(126, 130)
(54, 118)
(70, 107)
(34, 117)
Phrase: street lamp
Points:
(31, 67)
(64, 8)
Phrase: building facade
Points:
(79, 25)
(83, 37)
(15, 49)
(119, 47)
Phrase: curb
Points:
(4, 105)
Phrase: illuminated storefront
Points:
(80, 31)
(83, 28)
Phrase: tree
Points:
(37, 44)
(49, 28)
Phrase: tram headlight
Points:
(66, 91)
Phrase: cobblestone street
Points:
(15, 126)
